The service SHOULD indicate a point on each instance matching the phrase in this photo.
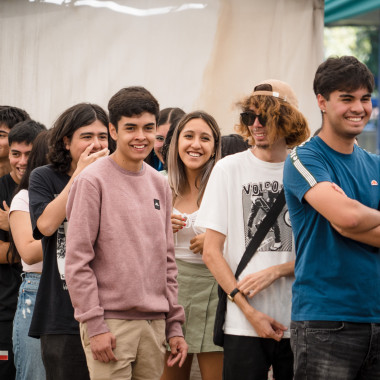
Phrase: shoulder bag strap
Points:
(261, 232)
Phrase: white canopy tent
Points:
(203, 54)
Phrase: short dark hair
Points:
(132, 101)
(170, 116)
(232, 144)
(10, 116)
(25, 132)
(68, 122)
(344, 73)
(37, 157)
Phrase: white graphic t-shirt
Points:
(239, 193)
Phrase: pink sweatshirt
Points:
(119, 248)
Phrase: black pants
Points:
(7, 367)
(63, 357)
(249, 358)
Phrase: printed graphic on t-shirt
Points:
(61, 252)
(257, 200)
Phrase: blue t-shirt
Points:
(337, 279)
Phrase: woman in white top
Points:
(193, 151)
(27, 351)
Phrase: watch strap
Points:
(233, 294)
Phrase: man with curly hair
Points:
(332, 190)
(240, 192)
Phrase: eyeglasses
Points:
(248, 118)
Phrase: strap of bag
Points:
(261, 232)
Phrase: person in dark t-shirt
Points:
(20, 144)
(78, 138)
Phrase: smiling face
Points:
(135, 138)
(259, 132)
(18, 159)
(196, 144)
(96, 133)
(162, 131)
(346, 113)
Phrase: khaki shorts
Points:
(140, 350)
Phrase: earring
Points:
(213, 154)
(323, 111)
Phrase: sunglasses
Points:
(248, 118)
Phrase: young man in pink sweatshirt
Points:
(120, 266)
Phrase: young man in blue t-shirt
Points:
(332, 191)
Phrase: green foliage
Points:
(361, 42)
(367, 43)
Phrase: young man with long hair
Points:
(78, 138)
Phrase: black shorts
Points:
(249, 358)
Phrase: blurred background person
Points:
(168, 120)
(232, 144)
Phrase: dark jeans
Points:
(7, 367)
(335, 350)
(63, 357)
(249, 358)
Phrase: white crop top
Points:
(182, 239)
(20, 202)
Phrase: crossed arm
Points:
(371, 237)
(265, 326)
(348, 216)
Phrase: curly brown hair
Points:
(68, 122)
(283, 120)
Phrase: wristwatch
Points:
(233, 294)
